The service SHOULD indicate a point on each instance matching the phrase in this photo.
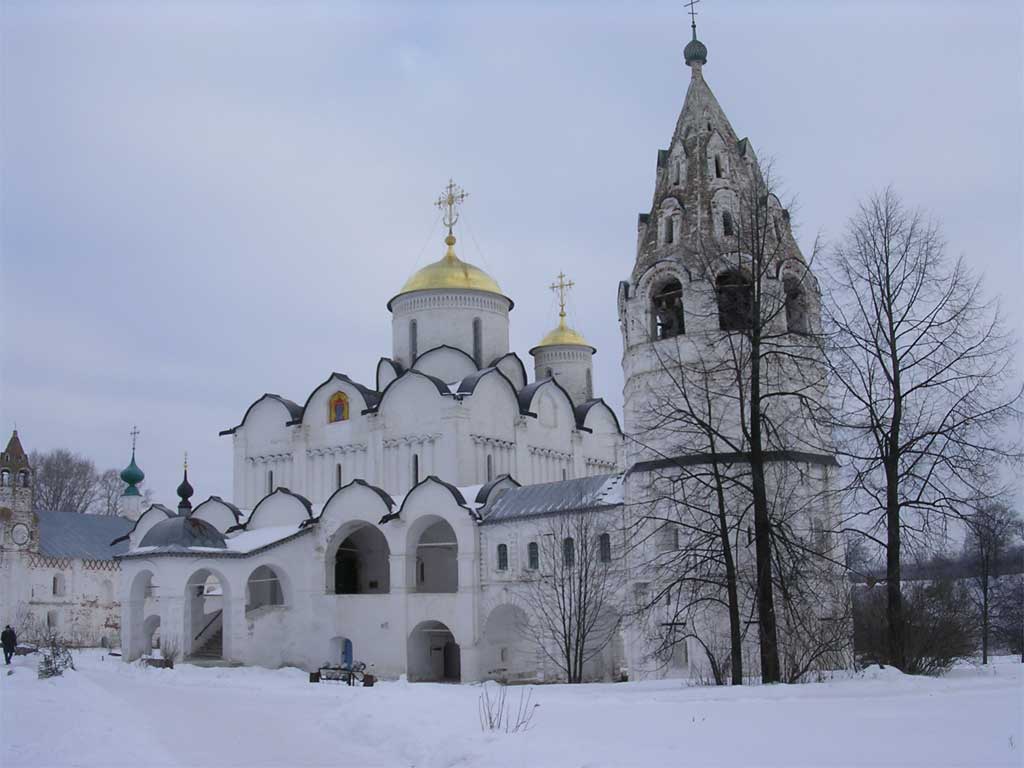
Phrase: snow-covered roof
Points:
(239, 544)
(580, 494)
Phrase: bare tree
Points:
(990, 530)
(109, 488)
(571, 601)
(922, 367)
(64, 481)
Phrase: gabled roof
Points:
(483, 495)
(468, 385)
(370, 396)
(152, 507)
(578, 495)
(384, 497)
(306, 503)
(442, 387)
(452, 489)
(583, 409)
(526, 394)
(231, 507)
(86, 537)
(294, 411)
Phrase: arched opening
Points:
(604, 652)
(143, 617)
(270, 481)
(338, 478)
(735, 301)
(604, 545)
(503, 557)
(507, 652)
(413, 342)
(590, 384)
(796, 305)
(568, 552)
(23, 479)
(52, 620)
(415, 468)
(719, 169)
(206, 594)
(263, 589)
(361, 563)
(667, 310)
(436, 558)
(533, 556)
(5, 478)
(432, 654)
(668, 234)
(58, 585)
(727, 224)
(490, 468)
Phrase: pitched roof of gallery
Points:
(86, 537)
(577, 495)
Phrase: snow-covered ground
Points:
(113, 714)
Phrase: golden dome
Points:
(450, 272)
(563, 334)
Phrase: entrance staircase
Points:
(212, 648)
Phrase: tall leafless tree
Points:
(922, 368)
(991, 528)
(64, 481)
(572, 600)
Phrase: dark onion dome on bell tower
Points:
(185, 492)
(695, 51)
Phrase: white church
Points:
(395, 521)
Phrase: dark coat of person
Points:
(8, 639)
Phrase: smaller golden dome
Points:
(450, 272)
(563, 334)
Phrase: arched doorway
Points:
(361, 564)
(143, 607)
(206, 595)
(508, 651)
(436, 562)
(433, 655)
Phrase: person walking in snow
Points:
(9, 640)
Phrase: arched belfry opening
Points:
(667, 310)
(796, 305)
(735, 301)
(361, 564)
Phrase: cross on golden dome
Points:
(562, 289)
(449, 203)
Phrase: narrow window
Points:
(5, 479)
(667, 310)
(58, 585)
(718, 166)
(735, 301)
(605, 547)
(675, 173)
(413, 341)
(490, 468)
(270, 481)
(727, 228)
(590, 385)
(478, 344)
(415, 468)
(568, 552)
(337, 475)
(548, 374)
(796, 306)
(502, 557)
(565, 474)
(533, 555)
(669, 230)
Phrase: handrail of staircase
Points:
(215, 617)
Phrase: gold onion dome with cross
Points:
(451, 272)
(563, 334)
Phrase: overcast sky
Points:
(204, 202)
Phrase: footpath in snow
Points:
(109, 714)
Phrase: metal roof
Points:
(596, 492)
(88, 537)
